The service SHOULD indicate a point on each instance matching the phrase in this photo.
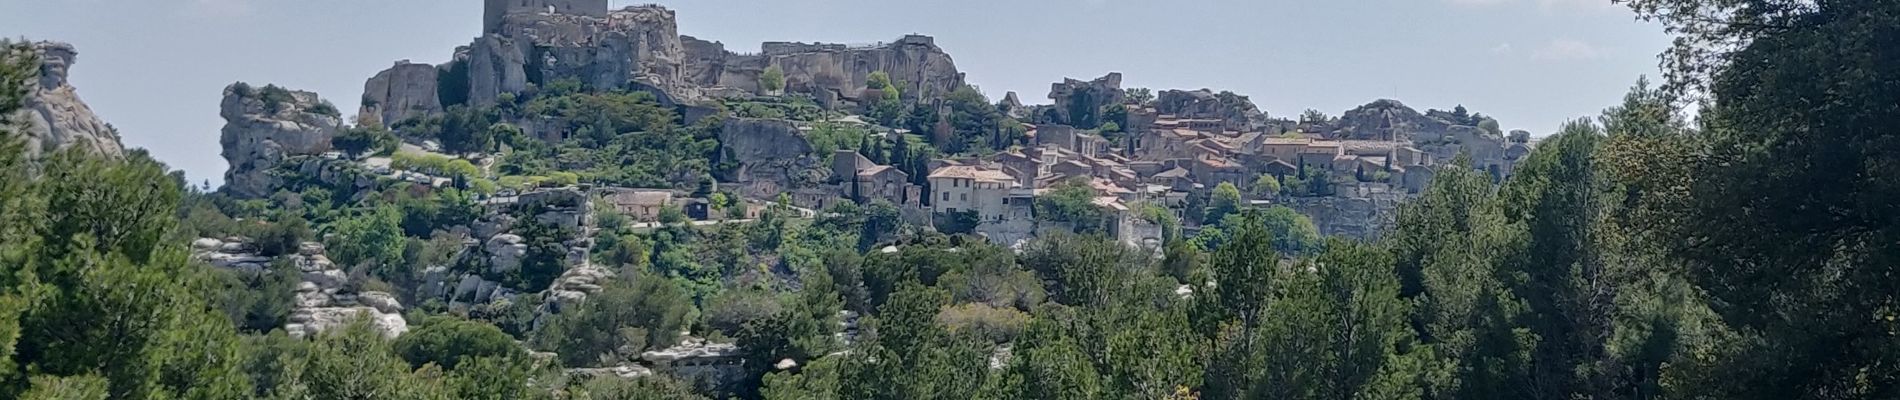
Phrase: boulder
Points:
(207, 244)
(404, 91)
(310, 322)
(505, 252)
(383, 302)
(310, 249)
(327, 279)
(264, 126)
(54, 116)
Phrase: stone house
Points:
(885, 183)
(1212, 171)
(966, 188)
(641, 205)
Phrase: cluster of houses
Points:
(1165, 160)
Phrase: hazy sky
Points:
(156, 68)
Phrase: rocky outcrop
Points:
(1239, 111)
(1012, 105)
(324, 299)
(264, 126)
(635, 44)
(825, 70)
(772, 156)
(54, 116)
(1386, 119)
(1390, 120)
(1072, 96)
(639, 47)
(404, 91)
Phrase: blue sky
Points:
(155, 68)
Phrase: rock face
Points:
(1386, 119)
(772, 155)
(401, 92)
(263, 126)
(635, 44)
(324, 298)
(532, 42)
(1012, 105)
(55, 116)
(1390, 120)
(1072, 96)
(1239, 112)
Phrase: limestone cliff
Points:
(54, 115)
(771, 156)
(265, 125)
(640, 47)
(404, 91)
(635, 44)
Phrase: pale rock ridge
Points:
(324, 298)
(54, 116)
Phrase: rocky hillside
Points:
(55, 116)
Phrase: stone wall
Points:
(1361, 211)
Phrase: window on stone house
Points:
(946, 196)
(963, 197)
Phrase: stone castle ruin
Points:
(528, 43)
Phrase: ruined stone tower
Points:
(496, 9)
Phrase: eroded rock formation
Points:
(1079, 103)
(403, 91)
(640, 46)
(1390, 120)
(263, 126)
(324, 298)
(55, 117)
(772, 156)
(915, 63)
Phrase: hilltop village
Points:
(1133, 148)
(802, 128)
(570, 142)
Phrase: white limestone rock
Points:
(54, 116)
